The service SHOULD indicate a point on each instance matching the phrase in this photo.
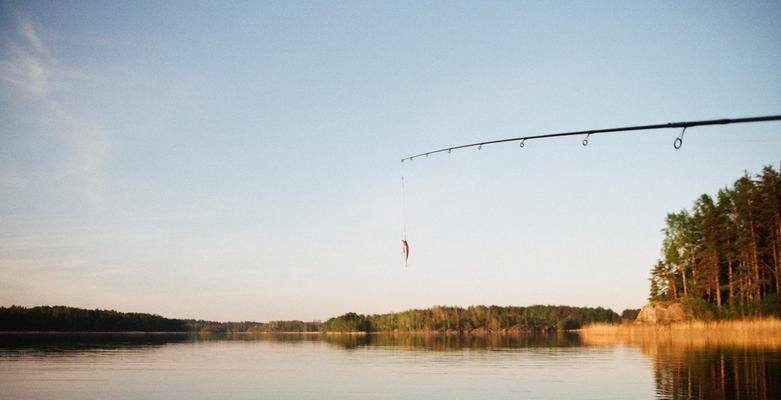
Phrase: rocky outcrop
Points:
(663, 313)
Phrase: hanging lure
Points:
(404, 243)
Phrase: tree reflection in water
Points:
(682, 369)
(443, 342)
(698, 370)
(716, 373)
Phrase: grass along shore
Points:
(755, 332)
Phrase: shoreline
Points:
(749, 332)
(352, 333)
(734, 327)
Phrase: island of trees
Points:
(722, 258)
(474, 319)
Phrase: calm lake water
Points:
(375, 367)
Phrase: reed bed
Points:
(754, 333)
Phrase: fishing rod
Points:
(676, 144)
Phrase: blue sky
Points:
(240, 161)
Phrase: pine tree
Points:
(726, 252)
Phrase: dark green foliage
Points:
(699, 308)
(570, 323)
(350, 322)
(69, 319)
(252, 327)
(439, 318)
(482, 318)
(630, 314)
(723, 258)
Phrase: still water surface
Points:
(375, 367)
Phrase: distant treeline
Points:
(253, 327)
(70, 319)
(439, 318)
(723, 258)
(474, 318)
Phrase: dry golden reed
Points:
(755, 333)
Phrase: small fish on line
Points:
(405, 245)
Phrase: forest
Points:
(722, 258)
(70, 319)
(439, 318)
(480, 318)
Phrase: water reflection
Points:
(697, 370)
(454, 342)
(61, 343)
(64, 343)
(716, 373)
(676, 370)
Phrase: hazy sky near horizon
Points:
(240, 160)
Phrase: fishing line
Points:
(404, 243)
(677, 143)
